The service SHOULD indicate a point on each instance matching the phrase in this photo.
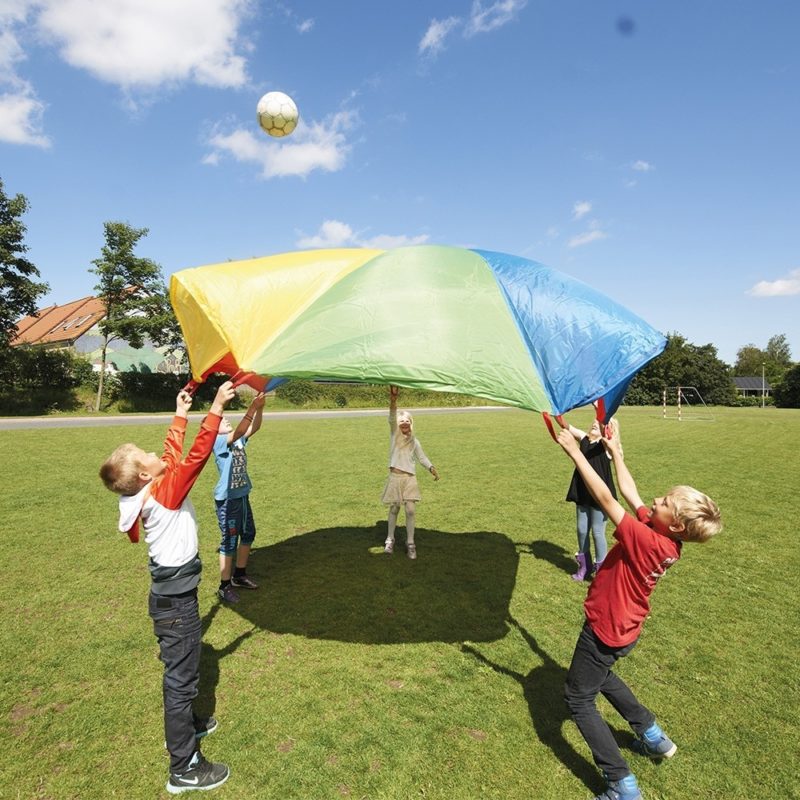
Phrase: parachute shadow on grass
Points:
(337, 584)
(548, 551)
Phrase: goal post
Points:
(687, 402)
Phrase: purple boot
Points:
(597, 565)
(582, 567)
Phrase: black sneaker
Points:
(244, 582)
(228, 595)
(201, 775)
(203, 726)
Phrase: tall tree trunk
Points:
(102, 375)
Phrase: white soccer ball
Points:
(277, 114)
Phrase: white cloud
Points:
(483, 19)
(333, 233)
(642, 166)
(594, 234)
(319, 145)
(433, 40)
(147, 44)
(20, 119)
(305, 26)
(581, 209)
(779, 288)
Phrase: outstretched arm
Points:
(251, 421)
(627, 486)
(393, 392)
(594, 483)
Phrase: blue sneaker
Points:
(654, 744)
(624, 789)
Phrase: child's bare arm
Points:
(224, 395)
(251, 421)
(594, 483)
(627, 486)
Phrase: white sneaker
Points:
(412, 551)
(388, 547)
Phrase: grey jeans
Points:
(177, 626)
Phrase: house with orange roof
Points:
(73, 326)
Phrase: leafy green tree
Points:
(19, 292)
(775, 359)
(134, 294)
(683, 364)
(749, 360)
(787, 392)
(779, 351)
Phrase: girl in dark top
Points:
(589, 515)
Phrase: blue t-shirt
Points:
(231, 462)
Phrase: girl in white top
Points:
(401, 486)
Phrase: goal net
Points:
(685, 403)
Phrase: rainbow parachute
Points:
(442, 318)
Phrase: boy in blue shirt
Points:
(232, 499)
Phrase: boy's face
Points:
(150, 464)
(663, 517)
(225, 426)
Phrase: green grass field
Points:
(351, 674)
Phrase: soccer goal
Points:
(685, 403)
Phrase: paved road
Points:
(21, 423)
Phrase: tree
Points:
(774, 360)
(787, 392)
(133, 292)
(779, 352)
(19, 293)
(682, 364)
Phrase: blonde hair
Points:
(697, 512)
(401, 439)
(120, 471)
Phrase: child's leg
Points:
(240, 577)
(582, 525)
(588, 675)
(227, 519)
(247, 537)
(597, 519)
(582, 556)
(177, 626)
(394, 510)
(618, 693)
(411, 517)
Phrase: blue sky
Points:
(647, 148)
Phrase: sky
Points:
(649, 149)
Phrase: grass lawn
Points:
(351, 674)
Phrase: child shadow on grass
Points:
(544, 692)
(210, 656)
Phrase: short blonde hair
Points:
(697, 512)
(120, 471)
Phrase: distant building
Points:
(73, 326)
(752, 386)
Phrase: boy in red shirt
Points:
(616, 607)
(154, 492)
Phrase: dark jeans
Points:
(589, 674)
(176, 623)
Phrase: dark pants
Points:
(589, 674)
(176, 623)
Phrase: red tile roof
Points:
(60, 324)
